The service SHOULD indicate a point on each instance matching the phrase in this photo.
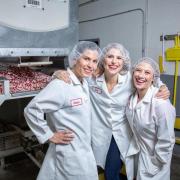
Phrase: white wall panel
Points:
(124, 28)
(162, 16)
(116, 29)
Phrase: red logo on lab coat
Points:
(97, 90)
(76, 102)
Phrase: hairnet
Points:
(154, 66)
(79, 49)
(124, 53)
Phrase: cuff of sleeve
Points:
(42, 139)
(160, 83)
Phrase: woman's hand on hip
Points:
(62, 137)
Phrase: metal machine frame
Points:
(17, 44)
(172, 55)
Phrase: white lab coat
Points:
(108, 118)
(67, 106)
(152, 123)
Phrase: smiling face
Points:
(143, 76)
(113, 62)
(86, 64)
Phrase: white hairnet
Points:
(124, 53)
(154, 66)
(79, 49)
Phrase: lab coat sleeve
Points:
(159, 83)
(50, 99)
(165, 118)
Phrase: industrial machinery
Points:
(36, 37)
(172, 55)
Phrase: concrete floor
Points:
(175, 168)
(25, 169)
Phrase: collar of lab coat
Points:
(101, 79)
(73, 77)
(147, 98)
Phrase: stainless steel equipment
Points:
(38, 34)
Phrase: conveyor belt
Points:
(17, 96)
(7, 95)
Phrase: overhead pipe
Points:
(86, 3)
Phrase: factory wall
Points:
(137, 24)
(124, 25)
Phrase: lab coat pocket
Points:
(76, 163)
(150, 165)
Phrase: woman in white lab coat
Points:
(109, 93)
(67, 109)
(152, 123)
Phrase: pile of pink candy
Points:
(23, 79)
